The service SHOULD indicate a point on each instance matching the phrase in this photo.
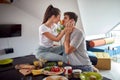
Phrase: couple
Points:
(74, 49)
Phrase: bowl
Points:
(6, 61)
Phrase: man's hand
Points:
(69, 29)
(69, 26)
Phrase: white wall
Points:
(99, 16)
(29, 40)
(37, 8)
(29, 13)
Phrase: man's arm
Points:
(68, 48)
(72, 44)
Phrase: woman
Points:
(46, 49)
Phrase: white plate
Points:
(55, 78)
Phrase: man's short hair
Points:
(71, 15)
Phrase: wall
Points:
(25, 44)
(99, 16)
(37, 8)
(29, 13)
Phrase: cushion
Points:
(91, 53)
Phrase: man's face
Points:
(66, 19)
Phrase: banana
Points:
(37, 72)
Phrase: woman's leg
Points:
(60, 50)
(40, 50)
(51, 56)
(57, 49)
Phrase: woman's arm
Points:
(54, 38)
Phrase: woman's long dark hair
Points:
(49, 12)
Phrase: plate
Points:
(6, 61)
(55, 78)
(89, 75)
(53, 73)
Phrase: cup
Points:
(68, 71)
(60, 63)
(76, 73)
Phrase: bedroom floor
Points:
(114, 73)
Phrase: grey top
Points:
(79, 56)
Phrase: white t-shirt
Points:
(43, 40)
(79, 56)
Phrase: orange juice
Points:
(60, 63)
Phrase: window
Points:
(115, 33)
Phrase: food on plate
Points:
(37, 72)
(47, 68)
(25, 71)
(51, 64)
(92, 77)
(49, 78)
(24, 66)
(58, 78)
(54, 70)
(55, 78)
(36, 63)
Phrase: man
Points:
(74, 43)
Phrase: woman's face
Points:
(56, 19)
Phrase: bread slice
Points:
(25, 71)
(24, 66)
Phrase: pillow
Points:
(91, 53)
(99, 42)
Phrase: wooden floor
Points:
(114, 73)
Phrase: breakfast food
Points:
(49, 78)
(51, 64)
(54, 70)
(25, 71)
(92, 77)
(37, 72)
(36, 63)
(60, 63)
(47, 68)
(56, 78)
(24, 66)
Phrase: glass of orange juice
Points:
(60, 63)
